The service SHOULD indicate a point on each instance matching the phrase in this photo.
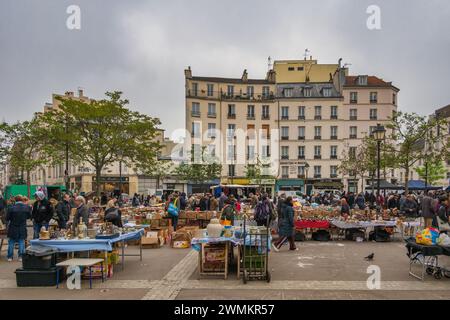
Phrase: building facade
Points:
(299, 120)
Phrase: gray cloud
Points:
(142, 47)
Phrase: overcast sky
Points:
(142, 47)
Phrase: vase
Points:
(214, 228)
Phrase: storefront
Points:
(296, 185)
(328, 185)
(111, 184)
(195, 187)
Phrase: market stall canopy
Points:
(234, 186)
(384, 185)
(420, 185)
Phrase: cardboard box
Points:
(191, 215)
(182, 215)
(203, 215)
(182, 222)
(155, 224)
(181, 244)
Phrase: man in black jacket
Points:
(63, 211)
(42, 213)
(17, 217)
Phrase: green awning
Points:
(290, 183)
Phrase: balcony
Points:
(301, 176)
(317, 176)
(250, 116)
(231, 116)
(353, 118)
(220, 95)
(265, 117)
(195, 114)
(285, 138)
(373, 118)
(317, 156)
(333, 157)
(333, 117)
(301, 117)
(353, 136)
(301, 157)
(284, 117)
(301, 138)
(353, 100)
(333, 137)
(284, 176)
(333, 175)
(317, 117)
(373, 100)
(317, 137)
(212, 115)
(284, 157)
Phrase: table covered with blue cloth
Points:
(76, 245)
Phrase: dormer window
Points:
(362, 80)
(326, 92)
(288, 92)
(307, 92)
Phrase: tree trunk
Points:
(28, 185)
(98, 171)
(406, 180)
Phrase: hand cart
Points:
(255, 252)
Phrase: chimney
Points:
(188, 73)
(244, 76)
(80, 93)
(69, 93)
(270, 76)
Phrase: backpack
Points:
(262, 212)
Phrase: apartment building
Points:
(444, 113)
(305, 115)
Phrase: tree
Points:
(432, 172)
(412, 133)
(353, 162)
(257, 171)
(102, 132)
(199, 170)
(21, 146)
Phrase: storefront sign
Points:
(110, 179)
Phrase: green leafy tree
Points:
(412, 133)
(257, 171)
(101, 132)
(432, 172)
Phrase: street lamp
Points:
(379, 134)
(306, 177)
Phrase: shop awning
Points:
(384, 185)
(328, 184)
(420, 185)
(290, 183)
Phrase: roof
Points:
(232, 80)
(443, 112)
(372, 81)
(316, 90)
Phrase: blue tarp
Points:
(84, 245)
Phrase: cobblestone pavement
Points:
(333, 270)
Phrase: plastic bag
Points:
(428, 237)
(444, 240)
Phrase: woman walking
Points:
(17, 217)
(286, 226)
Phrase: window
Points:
(251, 131)
(333, 112)
(250, 152)
(317, 152)
(231, 152)
(231, 130)
(265, 112)
(265, 91)
(353, 132)
(301, 171)
(291, 69)
(211, 130)
(301, 133)
(333, 132)
(211, 110)
(250, 112)
(285, 113)
(231, 170)
(333, 152)
(288, 92)
(333, 171)
(353, 97)
(194, 89)
(352, 152)
(307, 92)
(301, 112)
(266, 131)
(285, 152)
(317, 112)
(230, 91)
(373, 114)
(195, 130)
(196, 152)
(317, 132)
(210, 89)
(265, 151)
(362, 80)
(301, 152)
(394, 99)
(212, 150)
(326, 92)
(371, 129)
(195, 109)
(231, 111)
(250, 91)
(373, 97)
(285, 172)
(299, 68)
(317, 171)
(284, 133)
(353, 114)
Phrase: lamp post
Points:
(306, 177)
(379, 134)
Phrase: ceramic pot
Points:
(214, 228)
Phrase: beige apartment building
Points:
(305, 114)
